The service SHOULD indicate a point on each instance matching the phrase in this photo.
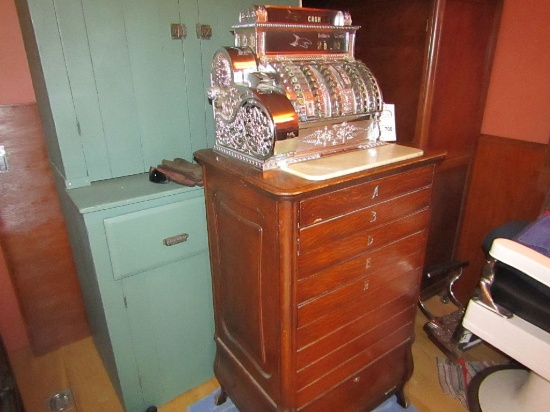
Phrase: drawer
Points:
(399, 253)
(379, 214)
(351, 367)
(353, 348)
(363, 390)
(393, 297)
(389, 281)
(149, 238)
(326, 255)
(340, 202)
(356, 335)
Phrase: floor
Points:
(78, 367)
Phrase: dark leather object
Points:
(522, 295)
(191, 171)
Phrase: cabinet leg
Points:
(402, 399)
(221, 398)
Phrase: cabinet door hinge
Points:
(298, 246)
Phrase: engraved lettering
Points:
(366, 285)
(370, 240)
(373, 216)
(375, 192)
(368, 263)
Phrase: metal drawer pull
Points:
(174, 240)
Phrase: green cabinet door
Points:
(172, 325)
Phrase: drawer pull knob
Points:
(356, 379)
(174, 240)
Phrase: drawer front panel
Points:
(362, 265)
(347, 200)
(364, 287)
(355, 347)
(150, 238)
(363, 390)
(400, 309)
(403, 291)
(310, 262)
(351, 367)
(333, 230)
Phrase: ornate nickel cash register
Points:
(290, 91)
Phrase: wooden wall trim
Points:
(34, 236)
(503, 187)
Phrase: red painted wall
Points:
(15, 78)
(518, 103)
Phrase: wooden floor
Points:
(78, 367)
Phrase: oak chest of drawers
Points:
(315, 283)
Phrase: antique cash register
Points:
(290, 91)
(316, 227)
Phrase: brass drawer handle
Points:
(174, 240)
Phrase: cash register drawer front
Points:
(149, 238)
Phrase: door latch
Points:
(178, 31)
(204, 31)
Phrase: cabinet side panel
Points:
(44, 51)
(78, 63)
(468, 31)
(447, 198)
(241, 281)
(244, 255)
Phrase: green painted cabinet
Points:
(142, 256)
(118, 94)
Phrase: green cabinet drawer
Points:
(149, 238)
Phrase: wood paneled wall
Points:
(34, 236)
(504, 186)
